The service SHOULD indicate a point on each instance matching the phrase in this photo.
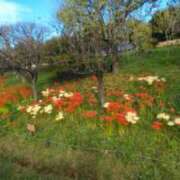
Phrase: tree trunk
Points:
(34, 90)
(33, 85)
(115, 65)
(100, 88)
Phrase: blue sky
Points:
(42, 11)
(12, 11)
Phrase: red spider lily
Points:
(74, 102)
(121, 119)
(70, 109)
(145, 98)
(157, 125)
(76, 99)
(24, 92)
(113, 107)
(58, 103)
(128, 109)
(107, 118)
(7, 97)
(90, 114)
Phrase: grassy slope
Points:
(75, 149)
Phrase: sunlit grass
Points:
(81, 148)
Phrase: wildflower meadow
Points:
(66, 134)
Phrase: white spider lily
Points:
(59, 116)
(132, 117)
(163, 116)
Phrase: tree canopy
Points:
(97, 28)
(166, 23)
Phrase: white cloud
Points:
(11, 12)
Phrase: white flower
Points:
(61, 93)
(29, 109)
(54, 98)
(170, 123)
(33, 110)
(132, 117)
(127, 97)
(48, 109)
(106, 105)
(46, 93)
(68, 95)
(151, 79)
(177, 120)
(59, 116)
(65, 94)
(163, 116)
(95, 89)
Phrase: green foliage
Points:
(141, 35)
(99, 28)
(4, 110)
(77, 149)
(165, 24)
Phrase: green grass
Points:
(77, 148)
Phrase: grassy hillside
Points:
(83, 145)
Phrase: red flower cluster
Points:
(74, 102)
(145, 98)
(157, 125)
(90, 114)
(12, 95)
(61, 99)
(24, 92)
(114, 107)
(120, 117)
(58, 103)
(118, 112)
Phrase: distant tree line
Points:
(166, 24)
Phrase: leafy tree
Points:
(96, 30)
(21, 50)
(56, 49)
(165, 24)
(141, 34)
